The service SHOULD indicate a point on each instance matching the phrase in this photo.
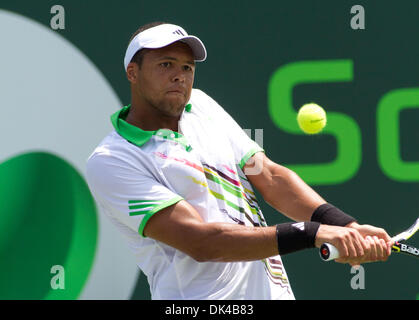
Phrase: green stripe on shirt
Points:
(248, 155)
(157, 208)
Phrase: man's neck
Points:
(151, 121)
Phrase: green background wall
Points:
(247, 43)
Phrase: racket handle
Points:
(328, 252)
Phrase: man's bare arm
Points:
(181, 227)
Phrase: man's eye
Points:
(165, 64)
(187, 68)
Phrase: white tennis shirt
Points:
(135, 173)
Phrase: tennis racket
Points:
(329, 252)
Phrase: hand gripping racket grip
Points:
(328, 252)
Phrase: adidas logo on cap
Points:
(178, 32)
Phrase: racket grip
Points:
(328, 252)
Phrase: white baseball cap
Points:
(161, 36)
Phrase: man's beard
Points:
(168, 109)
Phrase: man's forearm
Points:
(180, 226)
(226, 242)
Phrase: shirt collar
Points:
(139, 136)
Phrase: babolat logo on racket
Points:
(407, 249)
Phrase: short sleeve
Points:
(243, 146)
(128, 194)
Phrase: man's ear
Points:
(132, 72)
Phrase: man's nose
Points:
(179, 76)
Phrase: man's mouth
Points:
(176, 92)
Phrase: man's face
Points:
(165, 78)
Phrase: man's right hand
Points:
(352, 246)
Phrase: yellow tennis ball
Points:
(311, 118)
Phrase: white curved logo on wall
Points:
(55, 108)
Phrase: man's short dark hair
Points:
(139, 55)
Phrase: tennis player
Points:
(176, 177)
